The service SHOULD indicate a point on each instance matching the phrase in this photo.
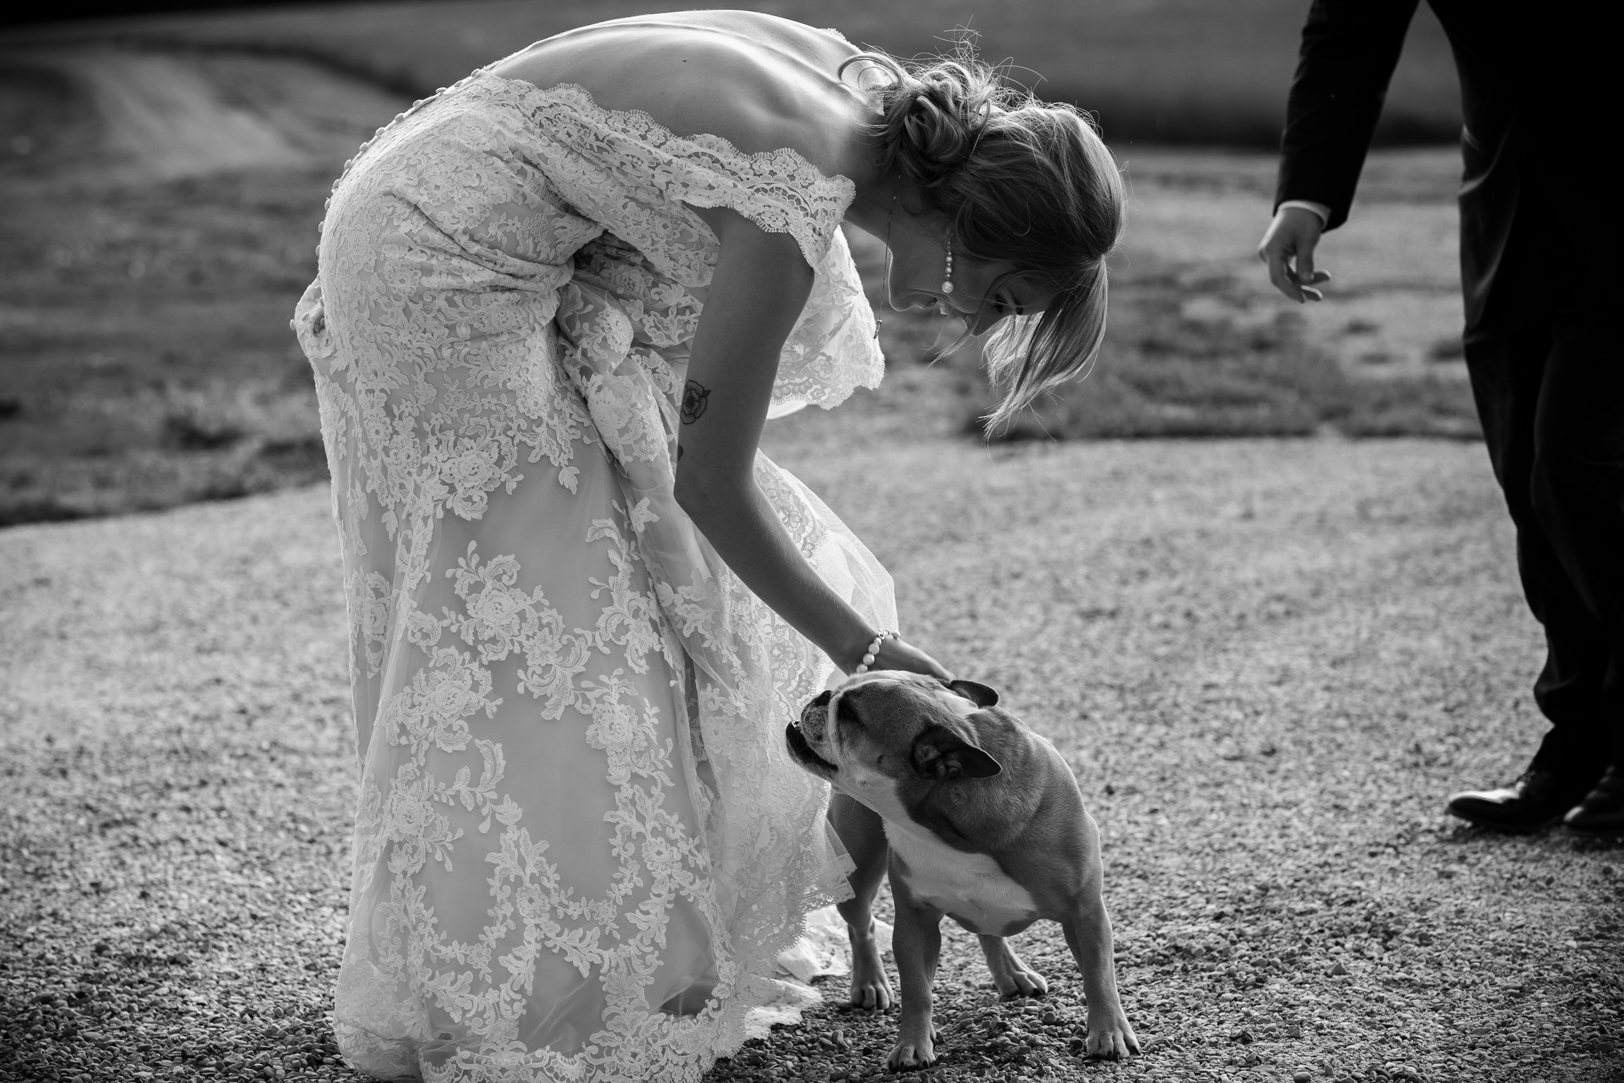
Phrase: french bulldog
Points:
(984, 823)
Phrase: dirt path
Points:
(139, 116)
(166, 120)
(1268, 662)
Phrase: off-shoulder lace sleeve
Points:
(628, 167)
(637, 178)
(833, 349)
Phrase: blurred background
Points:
(163, 169)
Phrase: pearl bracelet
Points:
(873, 650)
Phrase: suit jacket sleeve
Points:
(1349, 51)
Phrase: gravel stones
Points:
(1265, 713)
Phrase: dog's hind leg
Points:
(1009, 973)
(862, 832)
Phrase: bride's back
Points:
(758, 81)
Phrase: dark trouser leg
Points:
(1578, 488)
(1551, 397)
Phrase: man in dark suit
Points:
(1547, 378)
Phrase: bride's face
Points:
(917, 271)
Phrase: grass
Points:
(145, 359)
(148, 360)
(1165, 372)
(1166, 375)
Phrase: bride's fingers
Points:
(897, 654)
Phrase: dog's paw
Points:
(913, 1051)
(1010, 973)
(1110, 1036)
(1021, 981)
(870, 988)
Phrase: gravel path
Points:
(1268, 663)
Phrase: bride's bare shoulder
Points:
(758, 81)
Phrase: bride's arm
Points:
(760, 284)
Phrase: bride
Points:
(556, 304)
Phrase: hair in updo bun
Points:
(1021, 181)
(933, 117)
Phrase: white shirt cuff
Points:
(1319, 209)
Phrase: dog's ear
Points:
(823, 699)
(978, 694)
(940, 753)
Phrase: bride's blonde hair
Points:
(1022, 182)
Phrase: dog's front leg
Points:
(862, 832)
(917, 944)
(1088, 934)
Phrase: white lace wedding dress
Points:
(579, 843)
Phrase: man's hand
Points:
(1288, 248)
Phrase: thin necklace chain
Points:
(895, 192)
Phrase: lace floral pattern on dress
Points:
(580, 843)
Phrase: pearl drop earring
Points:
(947, 283)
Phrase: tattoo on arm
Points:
(694, 401)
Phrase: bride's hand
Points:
(897, 653)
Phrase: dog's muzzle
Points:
(813, 724)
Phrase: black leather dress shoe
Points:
(1602, 810)
(1537, 800)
